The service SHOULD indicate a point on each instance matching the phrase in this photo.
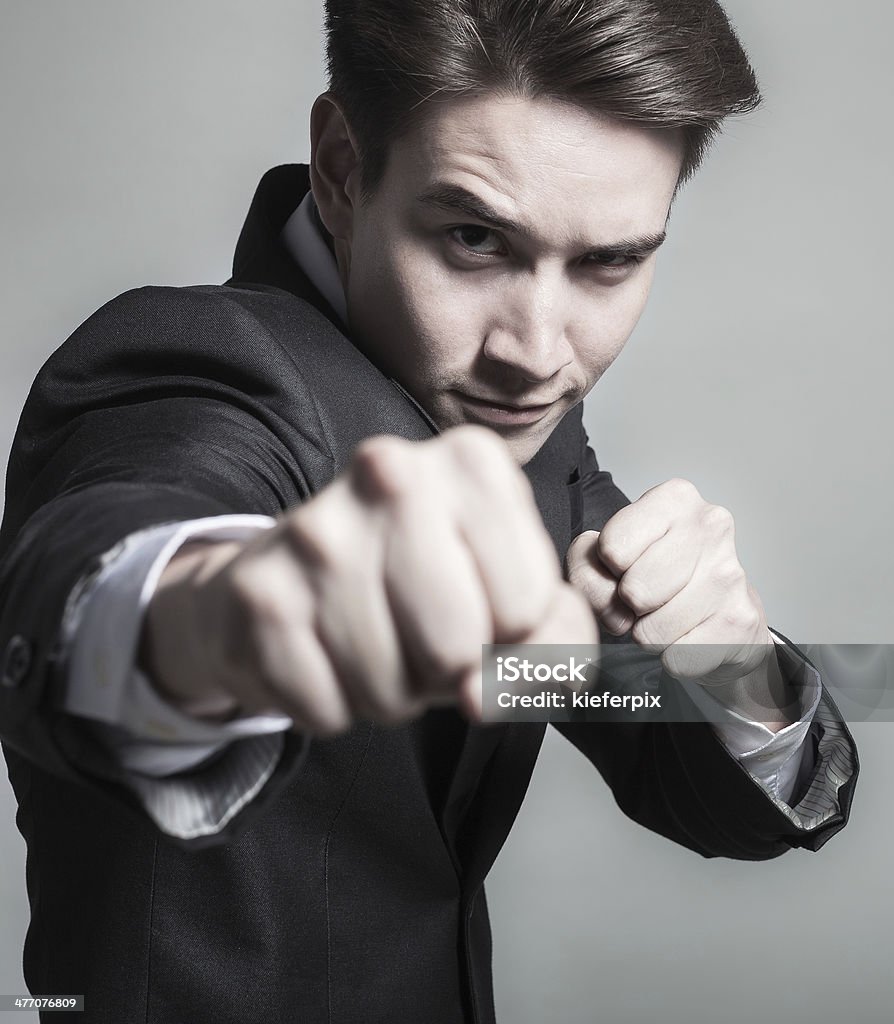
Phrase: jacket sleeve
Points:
(167, 404)
(679, 780)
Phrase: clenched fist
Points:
(370, 600)
(665, 567)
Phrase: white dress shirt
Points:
(159, 745)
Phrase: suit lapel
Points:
(495, 804)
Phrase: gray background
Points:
(133, 136)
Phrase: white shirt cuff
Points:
(772, 759)
(103, 628)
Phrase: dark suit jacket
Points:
(350, 889)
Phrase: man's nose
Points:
(530, 333)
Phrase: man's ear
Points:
(334, 166)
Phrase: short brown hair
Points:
(665, 63)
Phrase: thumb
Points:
(581, 552)
(586, 572)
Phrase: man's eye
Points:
(479, 240)
(617, 262)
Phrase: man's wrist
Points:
(166, 651)
(763, 695)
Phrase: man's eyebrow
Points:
(642, 246)
(456, 199)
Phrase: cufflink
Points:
(16, 662)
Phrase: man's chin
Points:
(525, 443)
(524, 449)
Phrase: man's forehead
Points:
(538, 165)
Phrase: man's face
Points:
(506, 257)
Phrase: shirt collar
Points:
(308, 249)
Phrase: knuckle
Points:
(439, 663)
(752, 618)
(634, 593)
(730, 575)
(478, 450)
(316, 699)
(380, 467)
(324, 722)
(612, 550)
(313, 534)
(717, 519)
(520, 619)
(471, 437)
(741, 616)
(642, 635)
(380, 446)
(445, 657)
(682, 489)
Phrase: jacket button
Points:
(16, 661)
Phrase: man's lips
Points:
(495, 413)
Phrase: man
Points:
(257, 534)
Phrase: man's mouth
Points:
(506, 414)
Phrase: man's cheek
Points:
(449, 325)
